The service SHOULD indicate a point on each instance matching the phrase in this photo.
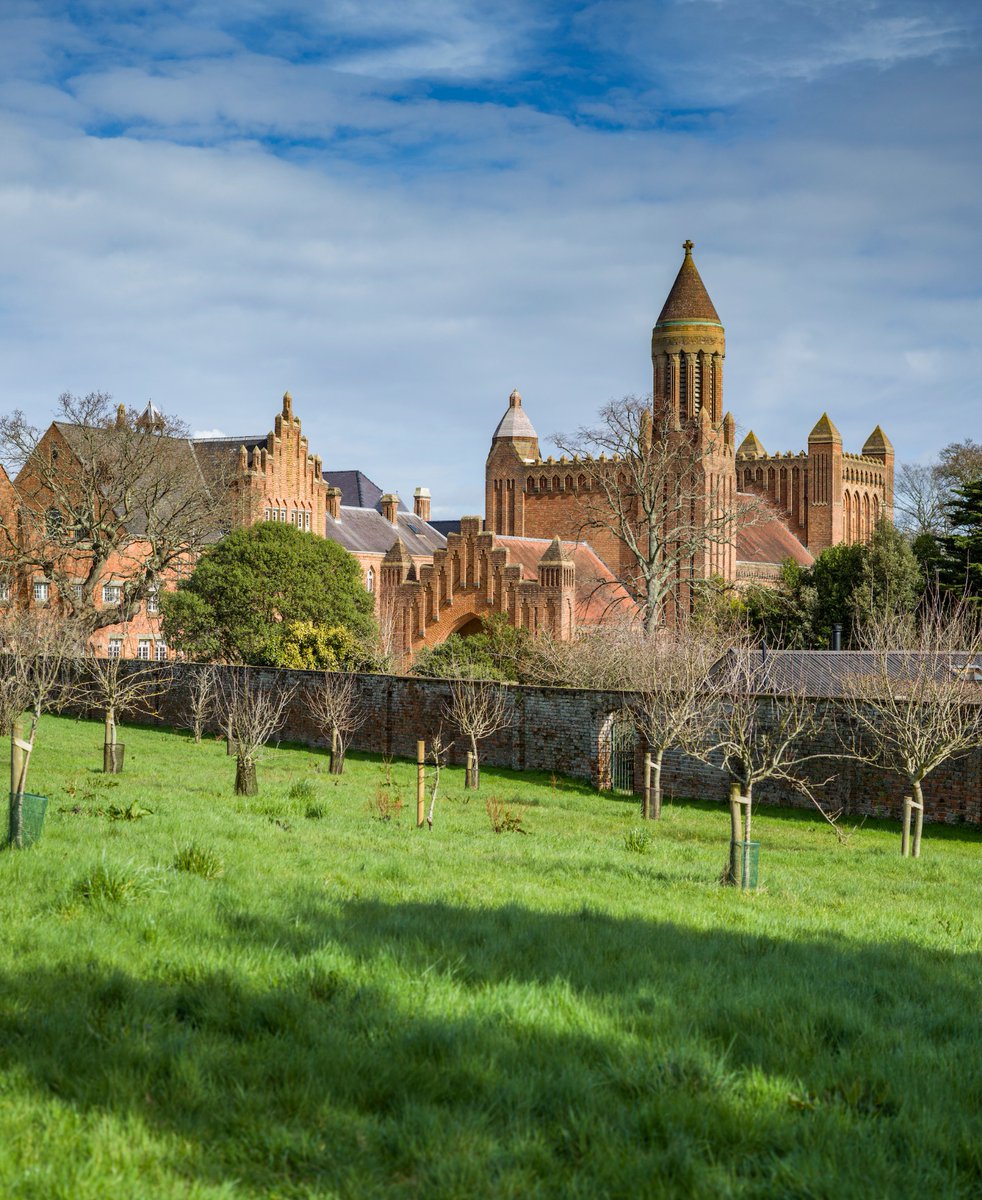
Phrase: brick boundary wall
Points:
(559, 730)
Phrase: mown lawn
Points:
(355, 1008)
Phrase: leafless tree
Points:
(670, 674)
(105, 489)
(202, 695)
(253, 710)
(117, 687)
(914, 701)
(40, 673)
(336, 709)
(918, 500)
(477, 708)
(760, 732)
(439, 753)
(650, 485)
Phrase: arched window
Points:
(370, 580)
(53, 522)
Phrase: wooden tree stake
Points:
(420, 784)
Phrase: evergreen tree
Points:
(890, 578)
(960, 565)
(251, 594)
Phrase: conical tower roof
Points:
(515, 422)
(688, 301)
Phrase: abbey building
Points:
(533, 556)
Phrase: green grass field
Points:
(288, 997)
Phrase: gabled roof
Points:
(366, 531)
(688, 300)
(599, 596)
(357, 490)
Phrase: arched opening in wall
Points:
(617, 751)
(469, 626)
(847, 516)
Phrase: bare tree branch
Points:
(335, 708)
(253, 711)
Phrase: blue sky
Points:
(402, 210)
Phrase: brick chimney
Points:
(421, 503)
(334, 503)
(390, 506)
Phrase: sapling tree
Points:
(439, 753)
(477, 708)
(670, 673)
(335, 708)
(118, 687)
(202, 695)
(41, 657)
(759, 731)
(913, 699)
(253, 709)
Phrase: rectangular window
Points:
(41, 591)
(115, 648)
(282, 514)
(112, 593)
(161, 651)
(4, 591)
(267, 515)
(143, 649)
(153, 601)
(306, 520)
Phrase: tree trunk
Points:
(336, 766)
(475, 765)
(656, 784)
(918, 819)
(748, 804)
(468, 768)
(112, 758)
(245, 777)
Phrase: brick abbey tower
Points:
(815, 498)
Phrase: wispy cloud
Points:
(400, 217)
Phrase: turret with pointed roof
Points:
(751, 447)
(688, 344)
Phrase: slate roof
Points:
(688, 300)
(366, 531)
(357, 490)
(515, 423)
(446, 527)
(598, 594)
(181, 452)
(823, 673)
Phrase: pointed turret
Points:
(397, 566)
(688, 344)
(556, 567)
(555, 555)
(751, 446)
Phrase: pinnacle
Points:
(752, 445)
(824, 430)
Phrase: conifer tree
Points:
(960, 565)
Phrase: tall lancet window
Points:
(690, 390)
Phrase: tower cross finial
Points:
(687, 245)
